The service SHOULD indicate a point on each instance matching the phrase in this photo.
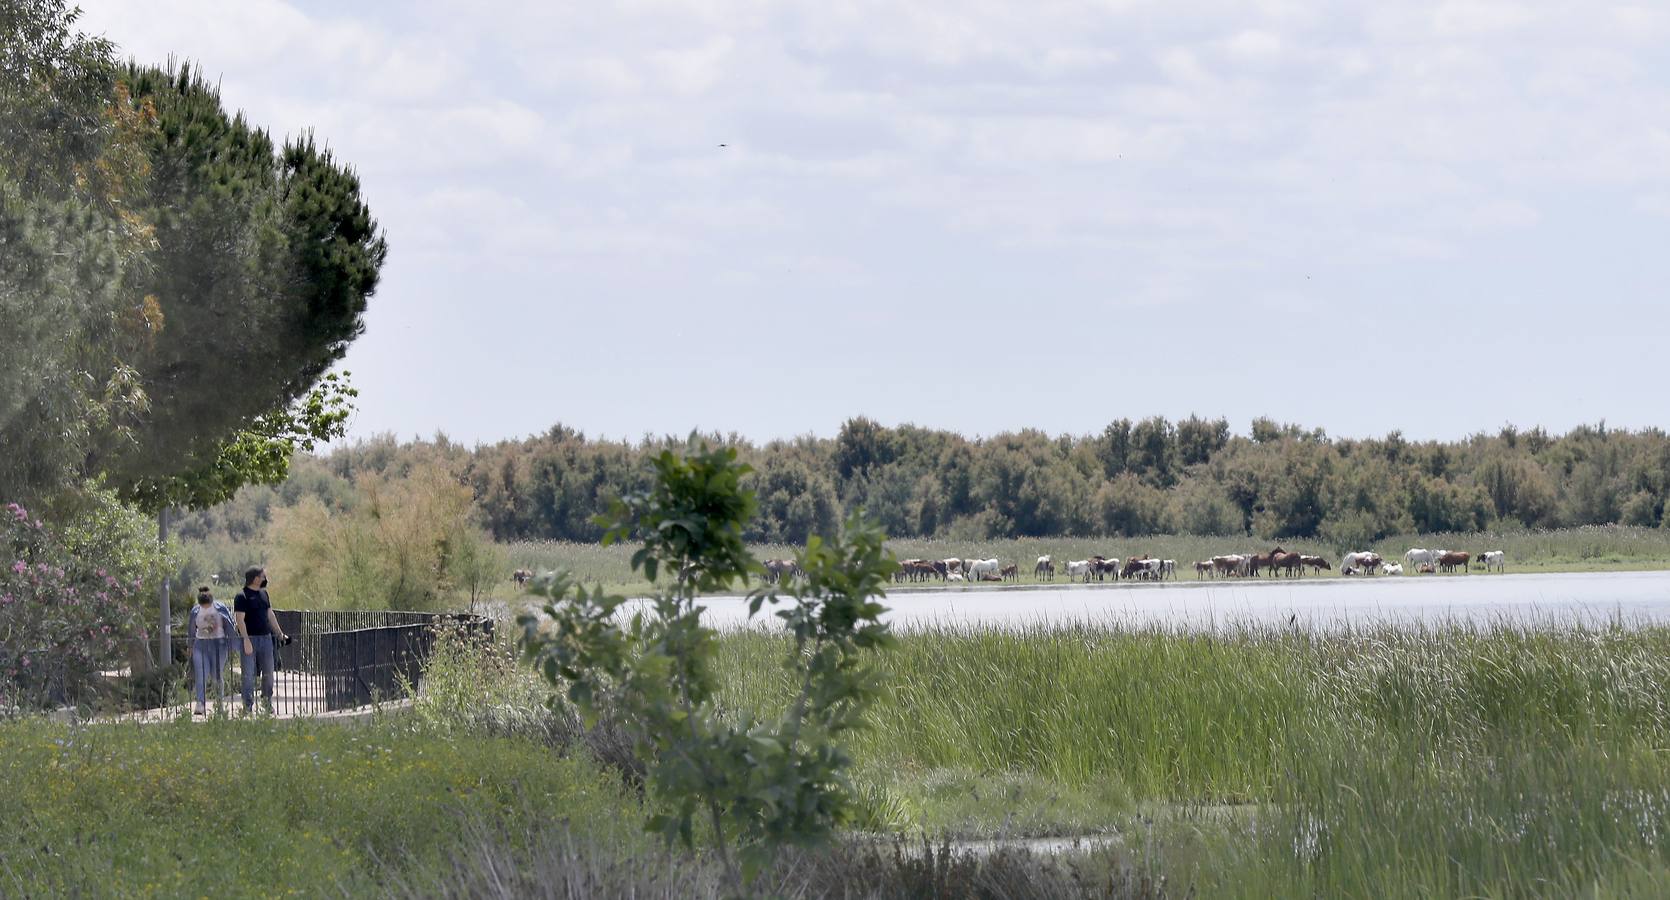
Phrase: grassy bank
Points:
(257, 808)
(1607, 548)
(1383, 762)
(1379, 762)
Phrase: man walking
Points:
(257, 625)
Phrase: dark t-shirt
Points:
(254, 605)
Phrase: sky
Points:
(645, 217)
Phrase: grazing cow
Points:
(1494, 559)
(1203, 569)
(1103, 566)
(952, 565)
(1044, 566)
(1168, 568)
(919, 569)
(1415, 556)
(1291, 564)
(1147, 568)
(777, 570)
(1453, 559)
(1228, 565)
(1135, 567)
(1316, 563)
(1392, 568)
(1079, 569)
(1364, 561)
(521, 576)
(983, 567)
(1010, 572)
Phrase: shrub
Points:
(67, 607)
(756, 784)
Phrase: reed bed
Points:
(1447, 760)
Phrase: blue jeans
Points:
(208, 663)
(262, 658)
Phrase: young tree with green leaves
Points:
(755, 785)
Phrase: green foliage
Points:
(174, 286)
(259, 454)
(235, 808)
(754, 782)
(405, 543)
(919, 483)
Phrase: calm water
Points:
(1595, 598)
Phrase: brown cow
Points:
(1453, 558)
(1009, 572)
(1228, 565)
(1134, 565)
(1316, 563)
(1203, 569)
(1291, 564)
(521, 576)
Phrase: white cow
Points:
(1078, 568)
(1168, 568)
(1495, 559)
(1150, 570)
(954, 576)
(1044, 566)
(1415, 556)
(1362, 561)
(1393, 568)
(982, 568)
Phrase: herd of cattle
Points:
(1147, 568)
(1234, 565)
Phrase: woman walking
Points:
(210, 629)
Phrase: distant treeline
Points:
(1134, 478)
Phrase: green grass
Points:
(1451, 760)
(1589, 549)
(218, 808)
(1442, 761)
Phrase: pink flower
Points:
(20, 567)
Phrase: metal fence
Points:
(335, 661)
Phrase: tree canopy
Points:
(1153, 476)
(176, 285)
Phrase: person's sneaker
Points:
(199, 711)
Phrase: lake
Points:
(1591, 598)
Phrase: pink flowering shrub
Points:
(63, 616)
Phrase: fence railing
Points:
(335, 661)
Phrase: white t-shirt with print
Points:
(210, 626)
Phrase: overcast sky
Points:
(643, 217)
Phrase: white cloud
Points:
(1116, 154)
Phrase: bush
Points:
(69, 603)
